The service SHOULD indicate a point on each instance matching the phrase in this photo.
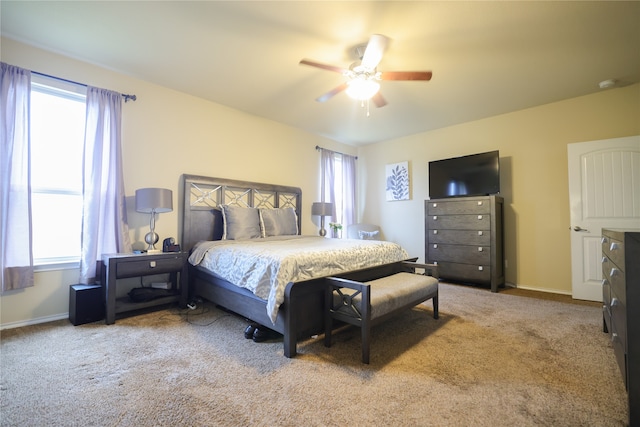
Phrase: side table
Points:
(121, 266)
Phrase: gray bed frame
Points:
(302, 313)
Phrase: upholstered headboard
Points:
(202, 197)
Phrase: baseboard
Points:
(531, 288)
(35, 321)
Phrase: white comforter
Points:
(265, 266)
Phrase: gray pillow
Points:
(368, 235)
(240, 223)
(278, 222)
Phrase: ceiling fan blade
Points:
(323, 66)
(327, 96)
(406, 75)
(379, 100)
(373, 53)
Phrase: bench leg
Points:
(366, 341)
(328, 325)
(328, 319)
(435, 307)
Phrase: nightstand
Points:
(122, 266)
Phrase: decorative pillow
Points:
(278, 222)
(368, 235)
(240, 223)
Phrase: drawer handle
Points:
(614, 247)
(605, 282)
(614, 302)
(479, 216)
(435, 205)
(480, 233)
(614, 337)
(480, 203)
(480, 249)
(480, 268)
(152, 264)
(614, 272)
(435, 246)
(435, 231)
(604, 240)
(435, 217)
(605, 260)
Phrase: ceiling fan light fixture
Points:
(362, 89)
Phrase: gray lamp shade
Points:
(156, 200)
(322, 209)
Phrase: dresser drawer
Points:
(606, 304)
(148, 267)
(459, 207)
(621, 355)
(480, 255)
(619, 320)
(459, 222)
(460, 237)
(465, 272)
(613, 249)
(617, 279)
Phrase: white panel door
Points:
(604, 192)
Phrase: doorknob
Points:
(578, 228)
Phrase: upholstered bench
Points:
(369, 303)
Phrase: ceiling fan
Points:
(362, 76)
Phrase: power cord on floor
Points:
(195, 309)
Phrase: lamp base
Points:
(322, 232)
(151, 238)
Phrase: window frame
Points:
(74, 92)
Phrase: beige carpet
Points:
(490, 360)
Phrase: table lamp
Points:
(153, 200)
(322, 209)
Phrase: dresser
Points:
(463, 236)
(621, 299)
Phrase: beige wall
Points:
(165, 134)
(534, 181)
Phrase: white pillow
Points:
(278, 222)
(368, 235)
(240, 223)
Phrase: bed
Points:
(207, 208)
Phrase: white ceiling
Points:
(487, 58)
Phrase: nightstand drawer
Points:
(148, 267)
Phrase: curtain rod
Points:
(125, 96)
(337, 152)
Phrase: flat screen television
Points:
(472, 175)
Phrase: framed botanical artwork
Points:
(397, 181)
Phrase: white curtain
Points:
(327, 185)
(104, 226)
(327, 193)
(16, 259)
(349, 189)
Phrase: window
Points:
(338, 184)
(57, 124)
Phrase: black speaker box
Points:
(85, 304)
